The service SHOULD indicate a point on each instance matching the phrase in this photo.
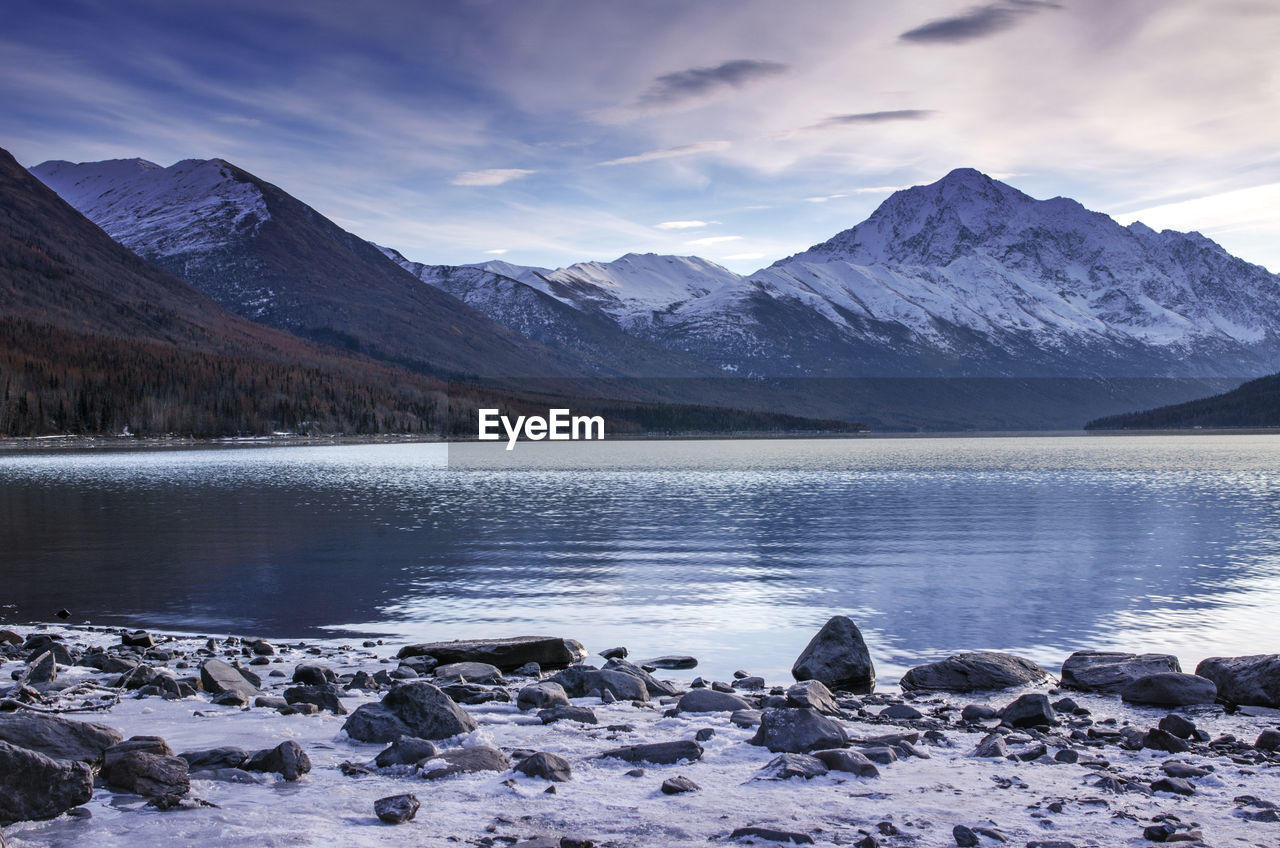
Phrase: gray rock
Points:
(506, 654)
(901, 712)
(1249, 681)
(137, 639)
(228, 775)
(978, 712)
(746, 718)
(785, 766)
(42, 669)
(672, 661)
(411, 709)
(711, 701)
(528, 670)
(57, 737)
(146, 744)
(964, 836)
(658, 752)
(837, 656)
(1108, 672)
(580, 681)
(142, 773)
(210, 759)
(1179, 726)
(1176, 785)
(465, 760)
(814, 695)
(882, 754)
(1162, 740)
(286, 759)
(218, 677)
(992, 745)
(772, 835)
(677, 785)
(406, 751)
(652, 685)
(563, 712)
(473, 693)
(1029, 710)
(313, 674)
(798, 731)
(1175, 768)
(1268, 740)
(1170, 689)
(471, 672)
(973, 672)
(326, 696)
(618, 653)
(541, 695)
(846, 760)
(396, 809)
(546, 766)
(34, 786)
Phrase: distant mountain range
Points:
(966, 278)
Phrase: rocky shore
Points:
(112, 738)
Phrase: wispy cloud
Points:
(824, 198)
(682, 225)
(977, 22)
(491, 177)
(702, 242)
(879, 189)
(884, 117)
(669, 153)
(695, 82)
(497, 251)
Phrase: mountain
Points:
(1255, 404)
(264, 255)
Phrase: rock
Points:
(814, 695)
(405, 751)
(62, 654)
(1108, 672)
(57, 737)
(901, 712)
(137, 639)
(218, 677)
(567, 713)
(473, 693)
(658, 752)
(506, 654)
(1177, 725)
(746, 718)
(465, 760)
(287, 759)
(652, 685)
(845, 760)
(1170, 689)
(8, 637)
(1029, 710)
(964, 837)
(210, 759)
(528, 670)
(35, 786)
(798, 731)
(972, 672)
(754, 683)
(1174, 768)
(228, 775)
(326, 696)
(146, 744)
(580, 681)
(992, 745)
(471, 672)
(670, 662)
(837, 656)
(978, 712)
(711, 701)
(618, 653)
(1162, 740)
(313, 674)
(1176, 785)
(1159, 832)
(1067, 755)
(546, 766)
(396, 809)
(364, 681)
(1249, 681)
(143, 773)
(882, 754)
(676, 785)
(541, 695)
(271, 702)
(1268, 740)
(785, 766)
(771, 835)
(108, 663)
(42, 669)
(411, 709)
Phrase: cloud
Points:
(714, 240)
(879, 189)
(497, 251)
(694, 82)
(491, 177)
(873, 118)
(681, 225)
(668, 153)
(977, 22)
(824, 198)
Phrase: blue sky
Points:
(547, 132)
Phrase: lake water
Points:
(733, 551)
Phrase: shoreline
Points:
(1084, 778)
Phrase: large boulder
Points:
(711, 701)
(545, 765)
(286, 759)
(506, 654)
(541, 695)
(579, 681)
(1170, 689)
(34, 786)
(57, 737)
(145, 773)
(411, 709)
(838, 657)
(973, 672)
(798, 731)
(1109, 672)
(1252, 681)
(218, 677)
(465, 760)
(1030, 710)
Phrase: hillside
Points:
(1254, 404)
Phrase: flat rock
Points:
(786, 766)
(671, 661)
(546, 766)
(416, 708)
(1249, 681)
(711, 701)
(57, 737)
(34, 786)
(1108, 672)
(746, 718)
(465, 760)
(837, 656)
(846, 760)
(228, 775)
(541, 695)
(973, 672)
(506, 654)
(286, 759)
(218, 677)
(1170, 689)
(798, 731)
(225, 757)
(770, 834)
(564, 712)
(658, 752)
(471, 672)
(396, 809)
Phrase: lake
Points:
(733, 551)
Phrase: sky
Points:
(547, 132)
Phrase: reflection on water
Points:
(734, 551)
